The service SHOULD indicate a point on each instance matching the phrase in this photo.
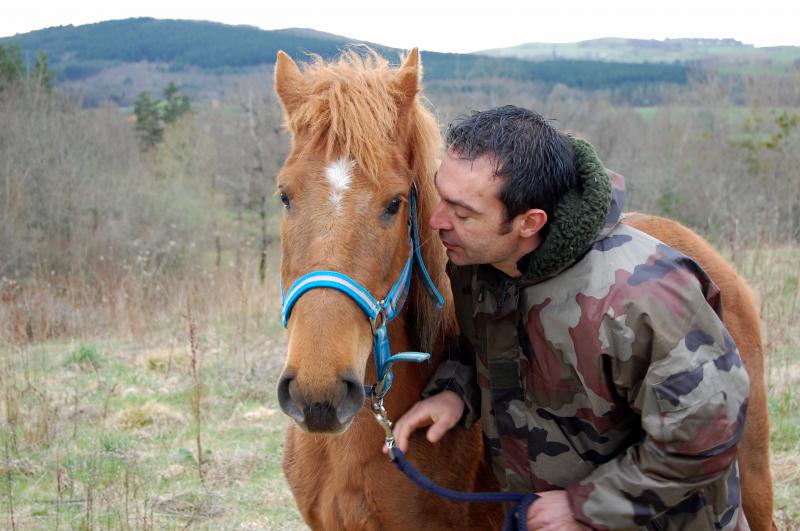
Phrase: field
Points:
(773, 273)
(179, 427)
(723, 54)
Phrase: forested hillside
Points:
(179, 43)
(79, 52)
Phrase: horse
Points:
(360, 139)
(741, 317)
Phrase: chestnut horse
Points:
(360, 139)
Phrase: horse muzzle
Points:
(327, 411)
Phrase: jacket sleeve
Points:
(677, 366)
(457, 372)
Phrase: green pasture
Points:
(102, 435)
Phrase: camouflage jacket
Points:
(604, 370)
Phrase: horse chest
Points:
(337, 490)
(331, 487)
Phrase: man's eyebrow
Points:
(454, 202)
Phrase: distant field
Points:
(669, 51)
(99, 432)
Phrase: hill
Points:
(707, 51)
(79, 51)
(86, 52)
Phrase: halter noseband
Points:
(379, 312)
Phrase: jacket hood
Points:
(581, 218)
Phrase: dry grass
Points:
(786, 474)
(773, 273)
(100, 430)
(165, 360)
(150, 413)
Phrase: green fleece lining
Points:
(579, 217)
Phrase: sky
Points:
(450, 26)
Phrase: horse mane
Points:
(351, 106)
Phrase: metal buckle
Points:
(383, 419)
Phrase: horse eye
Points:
(285, 200)
(393, 207)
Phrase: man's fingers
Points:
(437, 430)
(442, 410)
(413, 419)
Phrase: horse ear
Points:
(408, 78)
(288, 82)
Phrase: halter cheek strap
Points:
(379, 312)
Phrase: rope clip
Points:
(383, 419)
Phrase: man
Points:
(592, 353)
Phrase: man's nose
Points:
(439, 218)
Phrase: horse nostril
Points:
(323, 412)
(352, 401)
(287, 402)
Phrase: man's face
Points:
(470, 217)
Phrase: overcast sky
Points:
(450, 26)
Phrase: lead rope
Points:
(516, 517)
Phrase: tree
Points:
(175, 104)
(153, 115)
(12, 67)
(41, 73)
(148, 123)
(14, 71)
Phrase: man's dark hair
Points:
(533, 157)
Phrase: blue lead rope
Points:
(516, 517)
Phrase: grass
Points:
(113, 444)
(101, 431)
(84, 356)
(772, 271)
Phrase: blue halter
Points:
(379, 312)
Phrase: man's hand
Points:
(551, 512)
(440, 412)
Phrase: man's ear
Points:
(531, 222)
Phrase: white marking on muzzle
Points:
(339, 174)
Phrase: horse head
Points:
(360, 140)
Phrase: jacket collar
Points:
(581, 218)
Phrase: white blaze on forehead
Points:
(339, 174)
